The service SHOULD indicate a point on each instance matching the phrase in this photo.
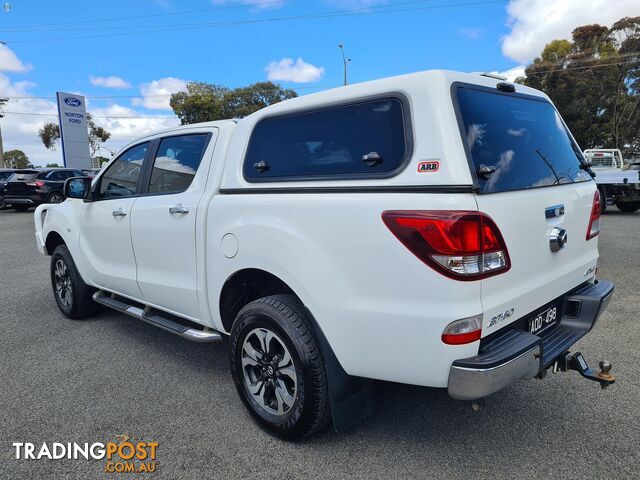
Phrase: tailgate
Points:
(22, 183)
(537, 274)
(533, 182)
(19, 188)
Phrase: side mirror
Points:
(78, 187)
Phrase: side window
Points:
(363, 139)
(56, 176)
(121, 178)
(176, 163)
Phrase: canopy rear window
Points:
(523, 138)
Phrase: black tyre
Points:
(20, 208)
(628, 207)
(3, 204)
(55, 197)
(72, 295)
(603, 199)
(277, 367)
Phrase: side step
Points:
(156, 319)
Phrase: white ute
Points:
(435, 229)
(618, 186)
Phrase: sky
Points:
(127, 57)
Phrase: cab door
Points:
(163, 222)
(105, 235)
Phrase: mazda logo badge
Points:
(557, 239)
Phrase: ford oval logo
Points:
(72, 102)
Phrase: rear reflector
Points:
(463, 245)
(463, 331)
(594, 220)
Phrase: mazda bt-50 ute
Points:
(435, 229)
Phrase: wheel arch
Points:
(247, 285)
(54, 239)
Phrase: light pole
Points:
(345, 61)
(2, 102)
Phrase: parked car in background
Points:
(35, 186)
(5, 173)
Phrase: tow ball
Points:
(576, 361)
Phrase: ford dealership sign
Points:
(74, 133)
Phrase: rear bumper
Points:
(514, 354)
(23, 200)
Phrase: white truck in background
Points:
(618, 185)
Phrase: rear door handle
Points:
(119, 213)
(179, 209)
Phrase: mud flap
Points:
(351, 398)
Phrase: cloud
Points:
(286, 70)
(512, 73)
(9, 62)
(258, 4)
(471, 33)
(109, 82)
(21, 131)
(534, 23)
(124, 130)
(156, 94)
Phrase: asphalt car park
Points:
(90, 380)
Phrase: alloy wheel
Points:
(56, 198)
(64, 289)
(269, 371)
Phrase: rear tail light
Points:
(463, 245)
(34, 184)
(463, 331)
(594, 220)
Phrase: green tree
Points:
(203, 102)
(50, 134)
(53, 165)
(16, 159)
(101, 160)
(594, 80)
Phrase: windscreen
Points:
(522, 138)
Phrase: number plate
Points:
(543, 320)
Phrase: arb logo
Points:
(428, 166)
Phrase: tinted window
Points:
(58, 175)
(23, 177)
(329, 142)
(4, 176)
(121, 178)
(524, 139)
(176, 163)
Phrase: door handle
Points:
(119, 213)
(179, 209)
